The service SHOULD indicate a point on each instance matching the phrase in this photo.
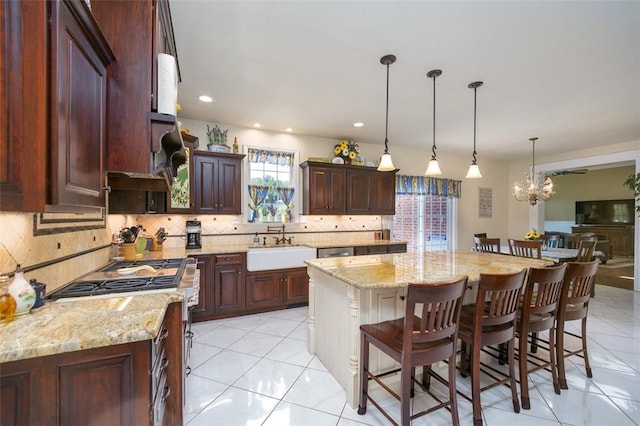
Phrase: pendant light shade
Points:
(386, 164)
(433, 169)
(474, 169)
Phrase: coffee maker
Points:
(194, 234)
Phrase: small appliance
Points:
(194, 234)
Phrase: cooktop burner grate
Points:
(154, 263)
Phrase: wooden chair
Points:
(416, 341)
(525, 248)
(490, 322)
(538, 313)
(487, 245)
(572, 241)
(585, 250)
(574, 305)
(550, 240)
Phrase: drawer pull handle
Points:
(402, 297)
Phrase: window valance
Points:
(427, 185)
(257, 155)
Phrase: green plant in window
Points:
(633, 182)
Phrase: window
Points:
(271, 185)
(424, 212)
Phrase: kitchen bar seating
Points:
(415, 341)
(491, 321)
(574, 305)
(537, 313)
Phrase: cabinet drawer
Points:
(228, 259)
(377, 249)
(397, 248)
(361, 250)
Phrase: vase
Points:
(22, 292)
(347, 160)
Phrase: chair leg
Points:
(465, 358)
(406, 383)
(426, 374)
(475, 385)
(502, 354)
(512, 374)
(562, 378)
(552, 358)
(364, 374)
(455, 420)
(412, 391)
(523, 367)
(534, 343)
(587, 366)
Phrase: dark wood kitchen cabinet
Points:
(56, 58)
(277, 288)
(228, 283)
(204, 310)
(323, 189)
(114, 385)
(139, 140)
(370, 192)
(344, 189)
(217, 183)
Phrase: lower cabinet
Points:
(381, 249)
(137, 383)
(227, 289)
(277, 288)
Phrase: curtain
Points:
(257, 194)
(427, 185)
(286, 194)
(272, 157)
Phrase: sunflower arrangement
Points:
(347, 150)
(532, 235)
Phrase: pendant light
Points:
(474, 170)
(386, 165)
(433, 169)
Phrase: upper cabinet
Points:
(54, 114)
(139, 140)
(340, 189)
(217, 183)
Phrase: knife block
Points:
(155, 245)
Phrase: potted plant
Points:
(633, 182)
(217, 139)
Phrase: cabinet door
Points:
(180, 199)
(78, 123)
(360, 192)
(229, 186)
(229, 289)
(19, 389)
(324, 191)
(206, 188)
(384, 188)
(264, 289)
(205, 308)
(296, 286)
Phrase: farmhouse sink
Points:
(279, 257)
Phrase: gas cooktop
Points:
(112, 278)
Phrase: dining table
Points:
(557, 255)
(347, 292)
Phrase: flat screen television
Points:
(605, 212)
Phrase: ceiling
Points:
(566, 72)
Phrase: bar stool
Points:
(416, 341)
(574, 305)
(537, 313)
(490, 322)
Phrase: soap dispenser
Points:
(256, 240)
(22, 292)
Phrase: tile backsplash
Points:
(62, 257)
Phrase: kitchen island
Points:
(347, 292)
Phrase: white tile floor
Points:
(255, 370)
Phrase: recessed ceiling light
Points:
(205, 98)
(358, 124)
(256, 125)
(289, 129)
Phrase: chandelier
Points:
(536, 187)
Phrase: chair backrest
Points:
(498, 299)
(480, 235)
(550, 240)
(579, 279)
(542, 296)
(525, 248)
(487, 245)
(572, 241)
(585, 250)
(440, 311)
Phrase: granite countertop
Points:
(398, 270)
(72, 325)
(242, 248)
